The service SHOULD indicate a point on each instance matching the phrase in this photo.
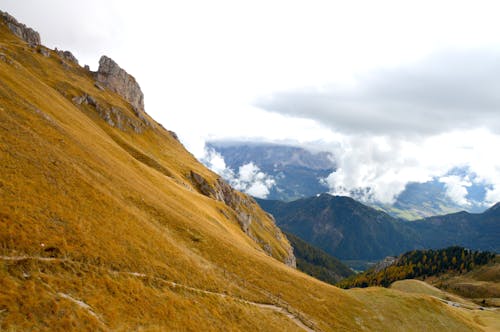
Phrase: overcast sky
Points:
(399, 91)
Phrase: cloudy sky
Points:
(398, 91)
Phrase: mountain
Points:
(318, 263)
(342, 226)
(297, 172)
(107, 223)
(421, 200)
(479, 231)
(350, 230)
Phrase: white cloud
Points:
(249, 178)
(456, 188)
(493, 195)
(378, 168)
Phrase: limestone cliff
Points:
(22, 31)
(112, 76)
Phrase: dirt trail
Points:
(38, 258)
(266, 306)
(293, 317)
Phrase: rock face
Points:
(67, 55)
(388, 261)
(22, 31)
(118, 80)
(114, 116)
(242, 206)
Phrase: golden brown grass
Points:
(481, 285)
(487, 318)
(108, 202)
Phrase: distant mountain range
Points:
(351, 230)
(298, 173)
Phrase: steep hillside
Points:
(108, 224)
(318, 263)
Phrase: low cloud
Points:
(377, 168)
(413, 123)
(456, 188)
(249, 178)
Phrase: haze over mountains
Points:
(293, 172)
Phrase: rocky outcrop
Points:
(67, 55)
(243, 206)
(388, 261)
(114, 116)
(22, 31)
(118, 80)
(291, 260)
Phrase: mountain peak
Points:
(111, 75)
(494, 209)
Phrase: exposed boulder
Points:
(67, 55)
(118, 80)
(22, 31)
(43, 51)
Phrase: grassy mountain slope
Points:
(104, 228)
(486, 317)
(318, 263)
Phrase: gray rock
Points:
(291, 260)
(67, 55)
(22, 31)
(113, 116)
(44, 51)
(97, 85)
(388, 261)
(118, 80)
(5, 58)
(174, 135)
